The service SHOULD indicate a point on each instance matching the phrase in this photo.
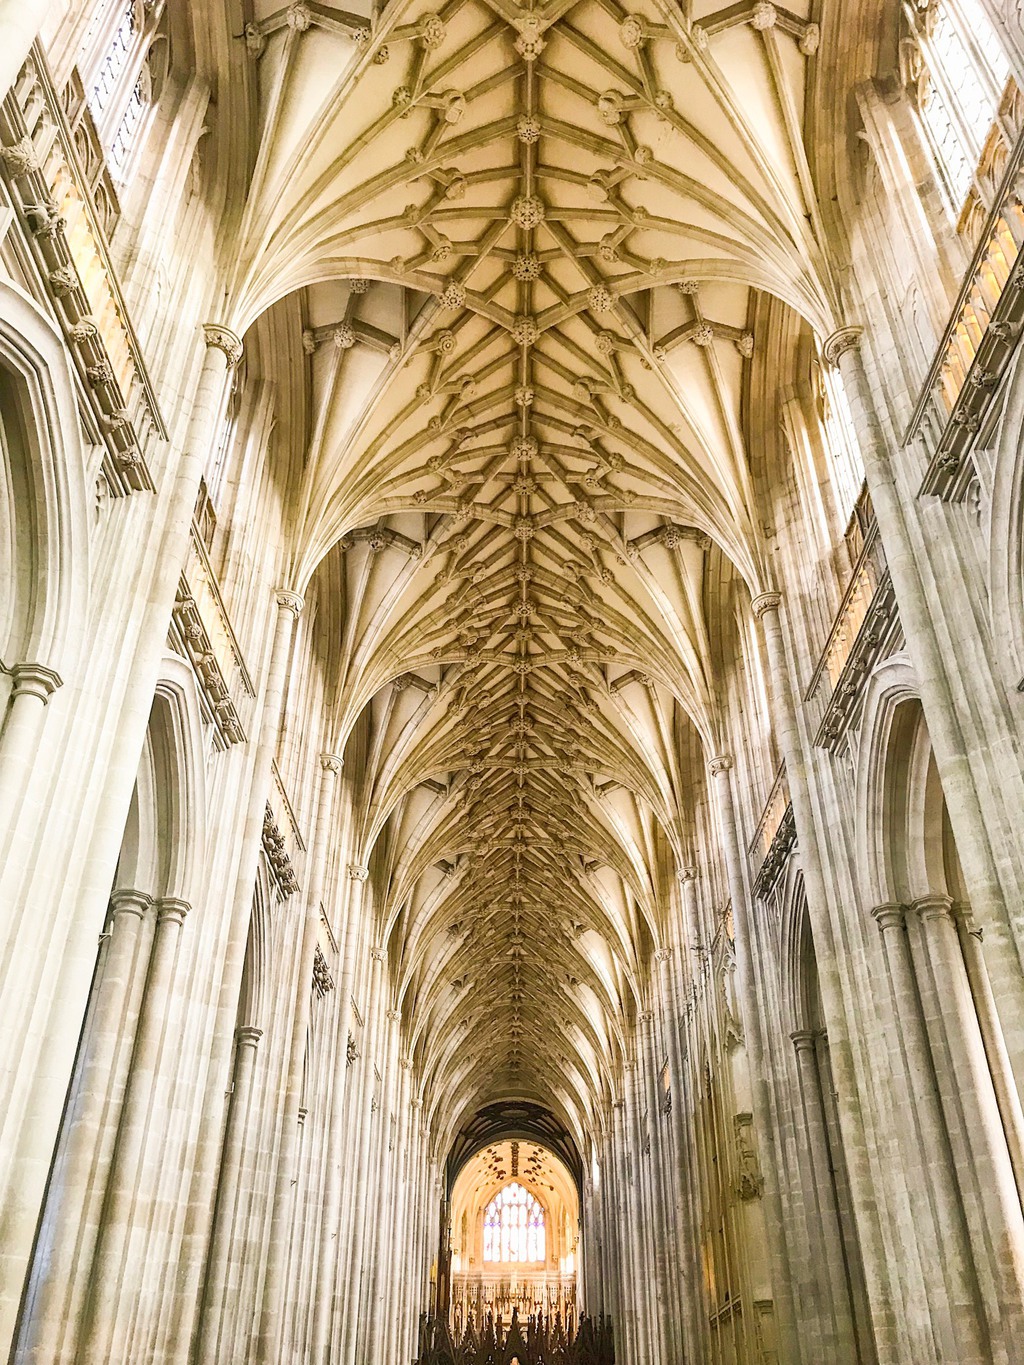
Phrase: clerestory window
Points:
(956, 70)
(514, 1229)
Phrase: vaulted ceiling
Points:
(522, 245)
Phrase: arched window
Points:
(955, 67)
(123, 63)
(514, 1227)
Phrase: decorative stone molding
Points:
(843, 340)
(891, 915)
(248, 1036)
(689, 874)
(323, 981)
(172, 910)
(721, 763)
(127, 901)
(663, 955)
(378, 955)
(290, 601)
(357, 873)
(765, 602)
(277, 855)
(221, 338)
(331, 763)
(34, 680)
(351, 1051)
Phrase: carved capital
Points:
(765, 602)
(721, 763)
(663, 955)
(891, 915)
(646, 1017)
(934, 907)
(219, 338)
(248, 1036)
(290, 601)
(172, 910)
(35, 680)
(394, 1016)
(378, 955)
(331, 763)
(127, 901)
(689, 874)
(804, 1039)
(841, 341)
(358, 873)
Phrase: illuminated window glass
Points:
(958, 72)
(514, 1228)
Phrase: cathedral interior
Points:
(511, 682)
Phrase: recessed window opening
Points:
(514, 1230)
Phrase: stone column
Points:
(681, 1116)
(361, 1172)
(32, 687)
(647, 1336)
(289, 605)
(268, 1343)
(630, 1299)
(53, 1301)
(666, 1320)
(966, 815)
(215, 1318)
(954, 1295)
(395, 1288)
(330, 1226)
(823, 1227)
(388, 1196)
(121, 1207)
(1007, 1094)
(976, 1096)
(720, 768)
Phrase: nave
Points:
(511, 682)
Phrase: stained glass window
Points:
(514, 1228)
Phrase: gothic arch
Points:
(163, 840)
(43, 514)
(886, 739)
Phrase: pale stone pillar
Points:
(361, 1171)
(976, 1095)
(397, 1286)
(268, 1344)
(641, 1233)
(665, 1319)
(720, 768)
(121, 1206)
(387, 1196)
(215, 1317)
(967, 818)
(823, 1227)
(962, 1334)
(32, 687)
(1007, 1094)
(330, 1227)
(47, 1312)
(682, 1116)
(289, 605)
(629, 1298)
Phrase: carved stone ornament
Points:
(721, 763)
(527, 211)
(290, 601)
(20, 157)
(765, 602)
(220, 338)
(357, 873)
(331, 763)
(841, 341)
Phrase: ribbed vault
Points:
(520, 249)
